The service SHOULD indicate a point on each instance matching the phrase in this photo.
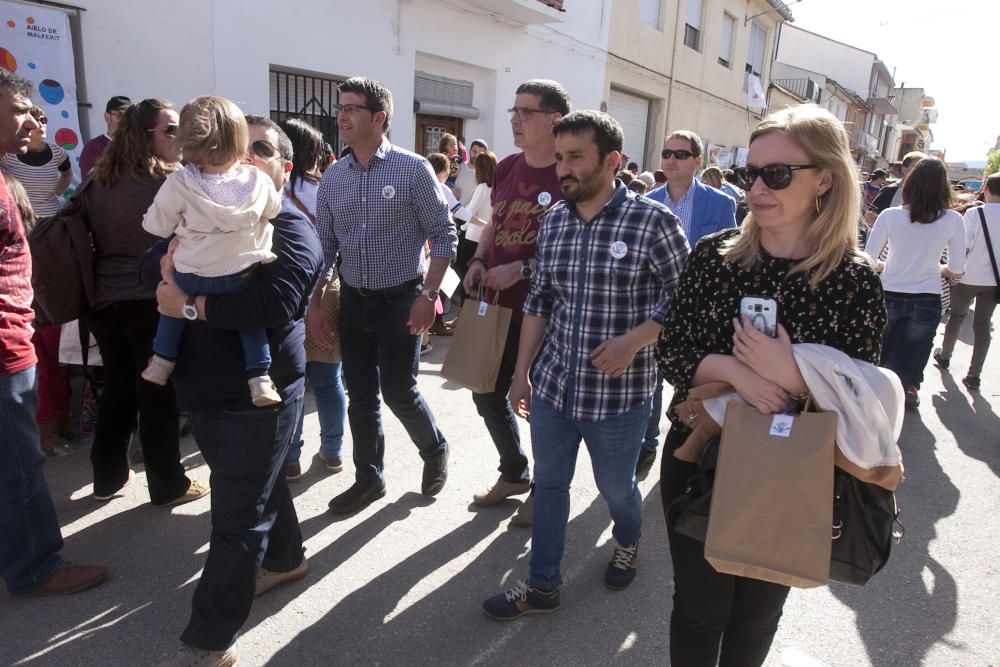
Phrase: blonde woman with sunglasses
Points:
(797, 246)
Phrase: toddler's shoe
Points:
(158, 371)
(263, 392)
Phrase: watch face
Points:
(190, 312)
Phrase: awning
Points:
(444, 109)
(440, 96)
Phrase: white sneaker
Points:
(263, 392)
(190, 656)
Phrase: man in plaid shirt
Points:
(608, 263)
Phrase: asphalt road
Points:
(402, 582)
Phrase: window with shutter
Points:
(692, 28)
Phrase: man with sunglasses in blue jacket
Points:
(703, 210)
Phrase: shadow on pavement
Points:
(914, 599)
(973, 423)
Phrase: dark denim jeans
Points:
(253, 519)
(501, 422)
(379, 352)
(713, 612)
(256, 349)
(652, 437)
(124, 333)
(331, 407)
(29, 531)
(909, 334)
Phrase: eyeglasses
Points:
(775, 176)
(524, 113)
(349, 109)
(263, 149)
(679, 154)
(169, 130)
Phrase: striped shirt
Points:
(597, 280)
(39, 181)
(377, 219)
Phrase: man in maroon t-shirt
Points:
(525, 185)
(94, 149)
(30, 539)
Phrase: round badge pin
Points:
(544, 198)
(388, 192)
(619, 249)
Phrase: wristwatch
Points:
(430, 294)
(526, 270)
(190, 311)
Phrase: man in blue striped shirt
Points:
(375, 210)
(608, 263)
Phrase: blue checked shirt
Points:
(683, 209)
(378, 219)
(597, 280)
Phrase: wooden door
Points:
(430, 129)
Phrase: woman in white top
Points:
(917, 233)
(44, 170)
(481, 208)
(979, 283)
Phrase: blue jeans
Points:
(613, 444)
(30, 539)
(256, 349)
(331, 406)
(652, 437)
(909, 334)
(253, 519)
(379, 352)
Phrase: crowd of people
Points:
(237, 260)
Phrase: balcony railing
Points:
(531, 12)
(805, 89)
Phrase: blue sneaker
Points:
(521, 600)
(621, 570)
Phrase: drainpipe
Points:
(673, 65)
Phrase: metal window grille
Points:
(309, 98)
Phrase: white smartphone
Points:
(762, 311)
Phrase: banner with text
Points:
(36, 44)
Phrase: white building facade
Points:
(452, 65)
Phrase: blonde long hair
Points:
(834, 230)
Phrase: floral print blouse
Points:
(846, 310)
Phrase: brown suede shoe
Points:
(194, 492)
(71, 579)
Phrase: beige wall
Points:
(705, 96)
(780, 99)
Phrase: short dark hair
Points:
(659, 176)
(439, 162)
(284, 143)
(606, 131)
(633, 166)
(992, 184)
(20, 86)
(377, 96)
(551, 94)
(625, 176)
(927, 191)
(479, 142)
(691, 138)
(637, 186)
(117, 103)
(729, 175)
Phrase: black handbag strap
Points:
(989, 246)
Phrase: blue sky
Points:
(939, 46)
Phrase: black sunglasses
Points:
(169, 130)
(679, 154)
(263, 149)
(775, 176)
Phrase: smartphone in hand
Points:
(762, 311)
